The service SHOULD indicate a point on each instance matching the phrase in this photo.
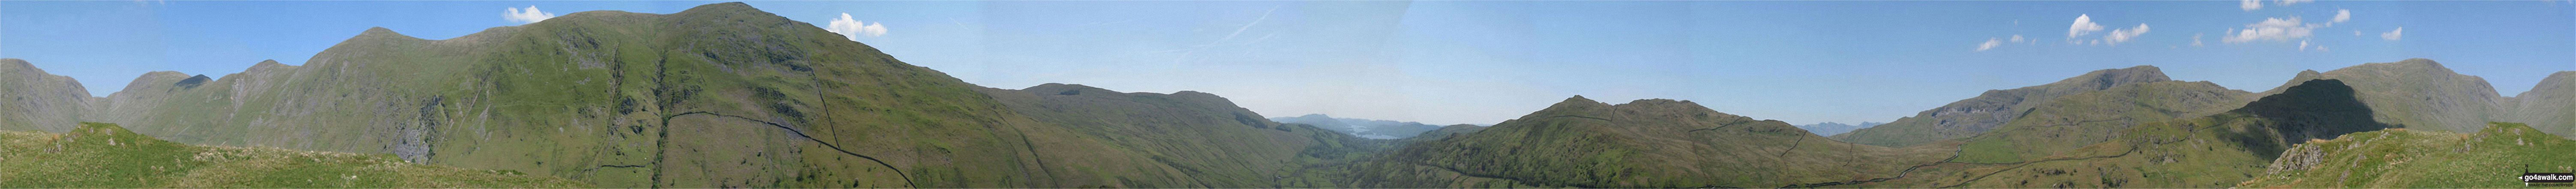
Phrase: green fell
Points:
(2401, 158)
(100, 155)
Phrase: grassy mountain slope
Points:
(2550, 106)
(100, 155)
(2400, 158)
(721, 95)
(2420, 94)
(1097, 137)
(1645, 143)
(1972, 116)
(38, 101)
(2211, 151)
(2072, 121)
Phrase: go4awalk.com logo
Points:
(2548, 179)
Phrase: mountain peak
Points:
(723, 7)
(13, 62)
(381, 32)
(265, 65)
(2107, 78)
(2411, 65)
(1065, 89)
(1579, 99)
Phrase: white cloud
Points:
(2018, 39)
(2083, 25)
(2342, 15)
(2356, 32)
(2195, 39)
(531, 15)
(2392, 35)
(853, 28)
(1989, 44)
(2251, 5)
(2291, 2)
(2303, 45)
(2124, 35)
(2272, 29)
(2322, 48)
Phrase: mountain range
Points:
(727, 95)
(1365, 128)
(1832, 128)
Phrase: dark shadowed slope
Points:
(1643, 144)
(1967, 118)
(2419, 93)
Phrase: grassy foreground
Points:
(2400, 158)
(101, 155)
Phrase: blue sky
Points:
(1445, 62)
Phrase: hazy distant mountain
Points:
(2551, 106)
(1831, 128)
(1973, 116)
(1375, 129)
(38, 101)
(1653, 143)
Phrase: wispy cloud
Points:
(853, 28)
(2273, 29)
(2195, 39)
(1186, 53)
(2124, 35)
(1990, 44)
(530, 15)
(2251, 5)
(2392, 35)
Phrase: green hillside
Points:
(1097, 137)
(2072, 121)
(2550, 106)
(1973, 116)
(2401, 158)
(2420, 94)
(1652, 143)
(100, 155)
(2212, 151)
(38, 101)
(721, 95)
